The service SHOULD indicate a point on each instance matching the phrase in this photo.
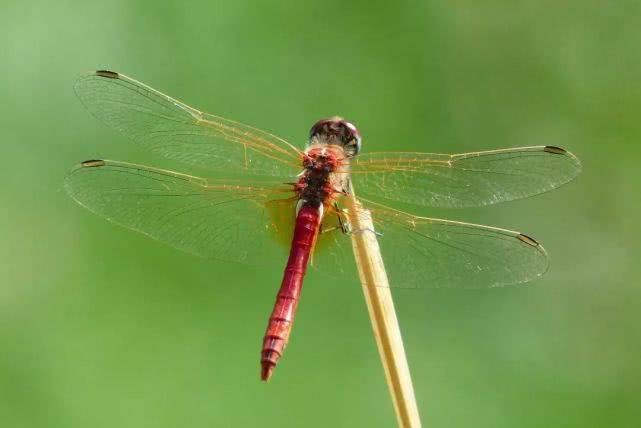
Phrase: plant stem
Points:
(382, 314)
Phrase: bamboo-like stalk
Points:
(382, 314)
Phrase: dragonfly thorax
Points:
(325, 169)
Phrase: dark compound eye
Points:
(353, 138)
(336, 130)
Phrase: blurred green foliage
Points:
(101, 327)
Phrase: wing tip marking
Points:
(107, 73)
(555, 150)
(92, 163)
(528, 240)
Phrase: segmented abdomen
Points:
(282, 318)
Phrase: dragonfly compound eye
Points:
(337, 131)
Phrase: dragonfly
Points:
(247, 195)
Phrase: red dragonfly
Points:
(263, 193)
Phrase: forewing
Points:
(230, 221)
(463, 180)
(421, 252)
(177, 131)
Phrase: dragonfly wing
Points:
(463, 180)
(333, 255)
(426, 252)
(224, 221)
(177, 131)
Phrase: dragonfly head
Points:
(336, 131)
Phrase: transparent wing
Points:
(333, 256)
(236, 222)
(177, 131)
(426, 252)
(463, 180)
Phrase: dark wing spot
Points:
(528, 240)
(93, 163)
(108, 74)
(555, 150)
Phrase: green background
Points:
(100, 327)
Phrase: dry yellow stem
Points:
(382, 314)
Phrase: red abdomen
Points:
(282, 318)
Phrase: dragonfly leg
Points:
(346, 226)
(343, 219)
(328, 229)
(342, 222)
